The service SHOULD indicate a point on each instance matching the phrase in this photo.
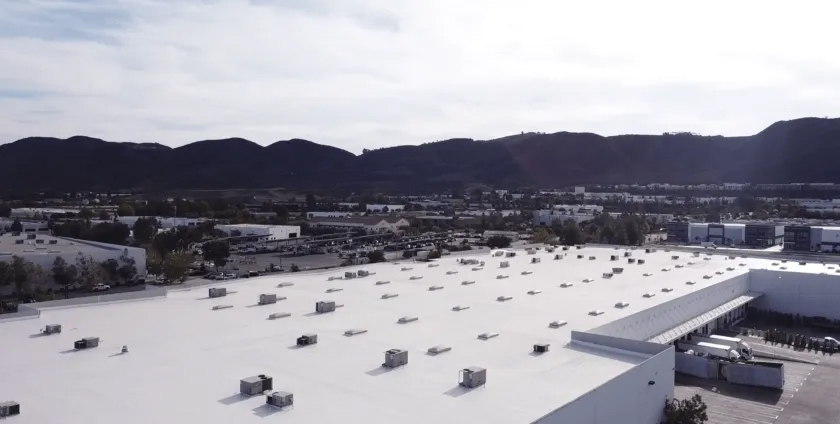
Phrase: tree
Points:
(571, 233)
(713, 217)
(110, 269)
(125, 210)
(294, 268)
(5, 211)
(687, 411)
(90, 272)
(217, 252)
(128, 266)
(176, 266)
(541, 235)
(16, 227)
(154, 263)
(108, 232)
(498, 242)
(85, 213)
(375, 256)
(103, 215)
(6, 277)
(25, 274)
(63, 274)
(144, 229)
(407, 254)
(385, 209)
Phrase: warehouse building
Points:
(262, 232)
(726, 234)
(812, 238)
(576, 336)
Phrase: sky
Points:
(361, 74)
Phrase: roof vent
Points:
(504, 298)
(220, 307)
(354, 332)
(631, 260)
(487, 336)
(278, 315)
(557, 257)
(380, 283)
(567, 285)
(9, 409)
(53, 241)
(388, 295)
(501, 277)
(707, 259)
(451, 272)
(647, 274)
(473, 377)
(434, 265)
(504, 264)
(707, 276)
(527, 272)
(433, 288)
(730, 268)
(477, 269)
(467, 282)
(217, 292)
(679, 266)
(690, 283)
(324, 306)
(307, 339)
(285, 284)
(742, 264)
(719, 272)
(364, 273)
(640, 261)
(280, 399)
(255, 385)
(406, 269)
(268, 298)
(607, 275)
(588, 280)
(395, 358)
(613, 257)
(666, 269)
(580, 256)
(775, 264)
(349, 275)
(510, 254)
(596, 312)
(532, 292)
(556, 324)
(406, 320)
(591, 258)
(617, 270)
(675, 257)
(86, 343)
(621, 304)
(667, 289)
(437, 350)
(628, 254)
(458, 308)
(541, 348)
(783, 267)
(535, 260)
(649, 295)
(416, 277)
(334, 289)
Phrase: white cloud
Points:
(370, 73)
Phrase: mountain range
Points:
(801, 150)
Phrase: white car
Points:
(101, 287)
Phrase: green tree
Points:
(125, 210)
(217, 252)
(144, 229)
(85, 213)
(90, 272)
(687, 411)
(176, 266)
(127, 266)
(375, 256)
(25, 274)
(154, 262)
(407, 254)
(63, 274)
(16, 227)
(498, 242)
(6, 277)
(571, 233)
(294, 268)
(634, 235)
(541, 235)
(111, 269)
(108, 232)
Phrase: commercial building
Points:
(764, 234)
(263, 232)
(812, 238)
(726, 234)
(164, 222)
(370, 224)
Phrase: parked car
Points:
(100, 287)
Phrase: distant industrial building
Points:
(726, 234)
(263, 232)
(370, 224)
(164, 222)
(812, 238)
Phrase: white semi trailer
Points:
(711, 349)
(734, 343)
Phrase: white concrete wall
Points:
(797, 293)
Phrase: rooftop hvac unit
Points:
(591, 258)
(307, 339)
(667, 289)
(333, 278)
(504, 298)
(349, 274)
(613, 257)
(18, 241)
(675, 257)
(52, 329)
(334, 289)
(388, 295)
(406, 268)
(535, 260)
(324, 306)
(621, 304)
(406, 320)
(380, 283)
(434, 265)
(9, 409)
(504, 264)
(696, 254)
(255, 385)
(510, 254)
(86, 343)
(721, 272)
(217, 292)
(802, 263)
(363, 273)
(267, 299)
(631, 261)
(280, 399)
(707, 259)
(557, 324)
(354, 332)
(784, 261)
(437, 350)
(473, 377)
(286, 284)
(678, 266)
(649, 295)
(707, 277)
(731, 257)
(580, 256)
(783, 267)
(617, 270)
(595, 313)
(39, 241)
(467, 282)
(487, 336)
(549, 249)
(220, 307)
(730, 268)
(533, 292)
(530, 251)
(565, 248)
(628, 254)
(30, 236)
(477, 269)
(501, 277)
(541, 347)
(666, 269)
(588, 280)
(458, 308)
(607, 275)
(416, 277)
(579, 246)
(690, 283)
(433, 288)
(647, 274)
(278, 315)
(53, 241)
(395, 358)
(640, 261)
(557, 257)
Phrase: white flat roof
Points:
(186, 360)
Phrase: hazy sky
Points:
(372, 73)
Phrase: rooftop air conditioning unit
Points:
(406, 320)
(451, 272)
(579, 246)
(580, 256)
(622, 304)
(675, 257)
(731, 257)
(458, 308)
(325, 306)
(285, 284)
(307, 339)
(280, 399)
(504, 298)
(617, 270)
(501, 277)
(649, 295)
(354, 332)
(86, 343)
(487, 336)
(349, 275)
(406, 269)
(595, 313)
(53, 241)
(39, 241)
(707, 277)
(557, 324)
(607, 275)
(9, 409)
(628, 254)
(690, 283)
(678, 266)
(640, 261)
(613, 257)
(631, 261)
(510, 254)
(473, 377)
(530, 251)
(363, 273)
(395, 358)
(730, 268)
(557, 257)
(784, 261)
(467, 282)
(433, 288)
(217, 292)
(416, 277)
(535, 260)
(267, 299)
(30, 236)
(434, 265)
(533, 292)
(220, 307)
(278, 315)
(591, 258)
(334, 289)
(667, 290)
(504, 264)
(565, 248)
(52, 329)
(437, 350)
(541, 347)
(802, 263)
(255, 385)
(526, 272)
(18, 241)
(567, 285)
(380, 283)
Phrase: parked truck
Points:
(711, 349)
(734, 343)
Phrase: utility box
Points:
(613, 257)
(618, 270)
(628, 254)
(535, 260)
(307, 339)
(86, 343)
(473, 377)
(217, 292)
(9, 409)
(280, 399)
(349, 275)
(504, 264)
(640, 262)
(325, 306)
(268, 299)
(395, 358)
(255, 385)
(541, 348)
(363, 273)
(52, 329)
(631, 260)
